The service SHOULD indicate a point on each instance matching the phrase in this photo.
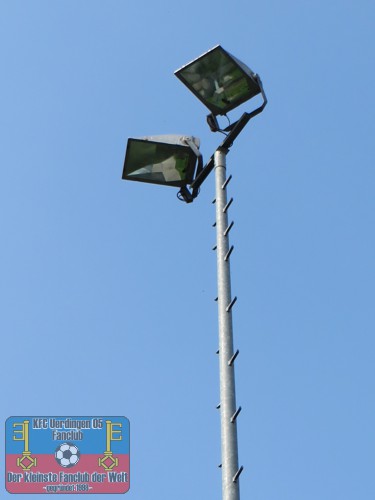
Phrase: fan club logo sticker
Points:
(67, 455)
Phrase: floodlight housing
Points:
(169, 160)
(220, 80)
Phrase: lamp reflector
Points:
(219, 80)
(165, 159)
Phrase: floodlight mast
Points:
(228, 408)
(248, 84)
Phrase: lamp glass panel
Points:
(158, 163)
(219, 80)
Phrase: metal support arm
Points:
(234, 131)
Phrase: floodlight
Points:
(169, 160)
(220, 80)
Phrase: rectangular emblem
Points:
(67, 455)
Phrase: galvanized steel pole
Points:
(228, 411)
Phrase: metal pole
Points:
(229, 447)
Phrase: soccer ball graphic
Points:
(67, 455)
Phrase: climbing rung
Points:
(228, 228)
(226, 182)
(228, 205)
(231, 304)
(227, 255)
(231, 361)
(235, 414)
(237, 474)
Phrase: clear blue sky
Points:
(107, 287)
